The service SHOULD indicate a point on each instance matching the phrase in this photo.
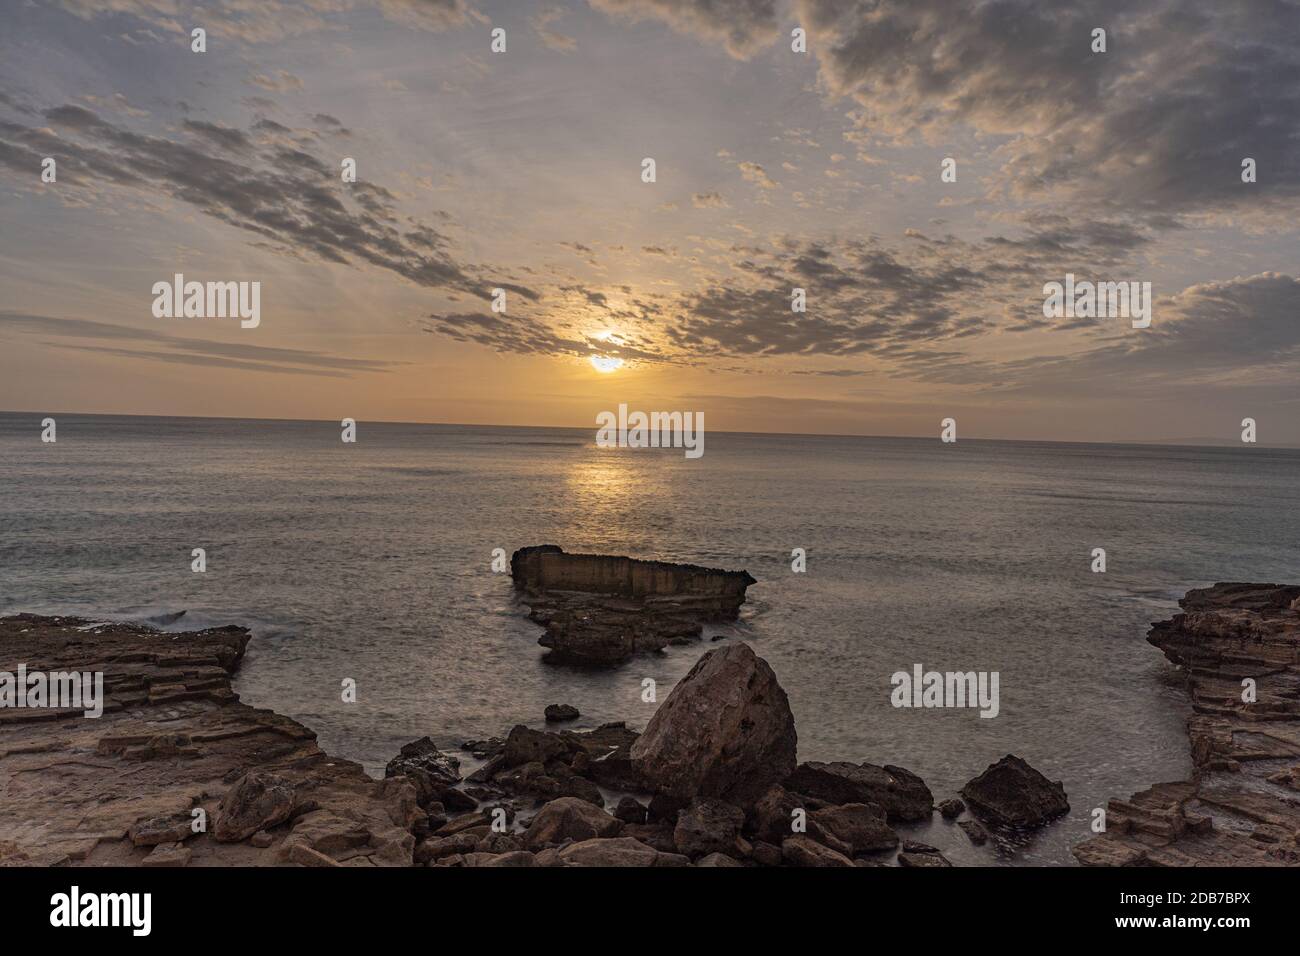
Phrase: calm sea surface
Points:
(372, 561)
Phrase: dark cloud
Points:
(1158, 124)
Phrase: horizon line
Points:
(1165, 443)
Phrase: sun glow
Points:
(606, 363)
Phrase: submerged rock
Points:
(560, 712)
(601, 610)
(1010, 793)
(725, 731)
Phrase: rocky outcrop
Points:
(1238, 646)
(900, 793)
(1010, 793)
(600, 610)
(174, 752)
(725, 731)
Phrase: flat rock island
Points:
(600, 610)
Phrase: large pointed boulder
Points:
(725, 731)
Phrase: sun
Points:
(606, 363)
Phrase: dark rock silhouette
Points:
(601, 610)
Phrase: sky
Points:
(776, 168)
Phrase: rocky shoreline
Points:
(1238, 646)
(178, 771)
(712, 781)
(176, 750)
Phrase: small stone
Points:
(558, 712)
(630, 810)
(168, 854)
(951, 809)
(975, 830)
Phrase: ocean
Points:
(372, 561)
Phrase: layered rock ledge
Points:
(1241, 806)
(121, 789)
(601, 610)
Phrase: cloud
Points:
(756, 174)
(1157, 124)
(709, 200)
(554, 41)
(282, 82)
(743, 27)
(272, 21)
(177, 349)
(285, 196)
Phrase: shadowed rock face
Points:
(601, 610)
(1242, 805)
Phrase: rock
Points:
(558, 712)
(525, 745)
(428, 768)
(168, 854)
(261, 839)
(1010, 793)
(975, 831)
(657, 835)
(903, 795)
(601, 610)
(304, 855)
(348, 837)
(801, 850)
(173, 736)
(618, 851)
(548, 857)
(772, 815)
(765, 853)
(917, 860)
(605, 755)
(717, 859)
(456, 801)
(725, 731)
(171, 828)
(708, 826)
(861, 826)
(257, 801)
(630, 810)
(569, 818)
(512, 858)
(498, 843)
(435, 848)
(951, 809)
